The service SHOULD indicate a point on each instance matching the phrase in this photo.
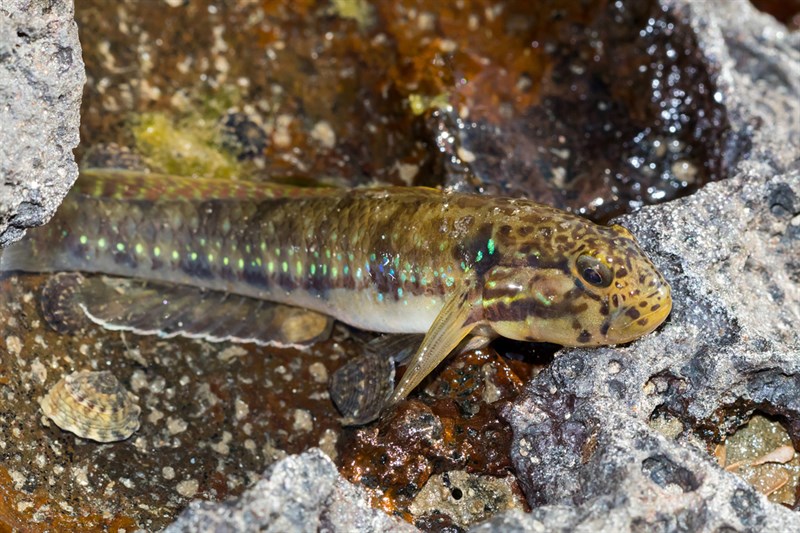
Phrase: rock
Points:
(618, 438)
(611, 439)
(465, 498)
(587, 447)
(41, 79)
(299, 493)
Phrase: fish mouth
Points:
(643, 324)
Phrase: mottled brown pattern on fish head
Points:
(569, 281)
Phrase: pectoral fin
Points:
(450, 327)
(171, 310)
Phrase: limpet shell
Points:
(92, 405)
(59, 301)
(361, 387)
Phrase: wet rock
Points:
(466, 498)
(317, 98)
(614, 112)
(447, 430)
(586, 444)
(300, 493)
(213, 417)
(41, 78)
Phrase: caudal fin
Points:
(24, 256)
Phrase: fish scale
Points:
(291, 250)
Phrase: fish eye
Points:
(593, 271)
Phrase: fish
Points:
(400, 260)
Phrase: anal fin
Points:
(168, 310)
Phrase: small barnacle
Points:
(92, 405)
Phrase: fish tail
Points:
(25, 256)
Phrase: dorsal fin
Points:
(138, 185)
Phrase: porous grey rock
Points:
(41, 80)
(586, 449)
(299, 493)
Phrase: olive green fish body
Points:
(355, 255)
(405, 260)
(379, 259)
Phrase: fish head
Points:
(596, 288)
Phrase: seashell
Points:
(59, 301)
(361, 387)
(92, 405)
